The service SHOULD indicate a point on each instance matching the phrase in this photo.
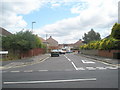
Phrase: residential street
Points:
(66, 71)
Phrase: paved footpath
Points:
(110, 61)
(23, 62)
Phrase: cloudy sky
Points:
(65, 20)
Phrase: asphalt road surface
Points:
(66, 71)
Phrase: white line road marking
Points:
(112, 67)
(74, 66)
(28, 71)
(87, 61)
(42, 70)
(81, 68)
(101, 68)
(67, 58)
(45, 59)
(51, 81)
(14, 71)
(71, 62)
(91, 68)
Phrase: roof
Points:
(78, 42)
(4, 32)
(52, 42)
(42, 40)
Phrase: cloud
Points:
(12, 11)
(99, 15)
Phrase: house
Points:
(52, 43)
(4, 32)
(78, 44)
(43, 40)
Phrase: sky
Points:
(65, 20)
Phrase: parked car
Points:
(69, 51)
(62, 51)
(55, 52)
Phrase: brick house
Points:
(43, 40)
(78, 44)
(4, 32)
(52, 43)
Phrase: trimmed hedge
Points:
(105, 44)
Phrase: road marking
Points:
(112, 67)
(42, 70)
(14, 71)
(87, 61)
(81, 68)
(71, 62)
(45, 59)
(91, 68)
(51, 81)
(67, 58)
(101, 68)
(28, 71)
(74, 66)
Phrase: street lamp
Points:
(32, 25)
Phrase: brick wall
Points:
(90, 52)
(103, 53)
(107, 53)
(32, 52)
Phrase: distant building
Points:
(78, 44)
(52, 43)
(43, 40)
(4, 32)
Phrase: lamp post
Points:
(32, 25)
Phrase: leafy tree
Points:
(116, 31)
(21, 41)
(91, 36)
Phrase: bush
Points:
(22, 41)
(105, 44)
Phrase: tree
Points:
(91, 36)
(116, 31)
(21, 41)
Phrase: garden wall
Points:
(103, 53)
(32, 52)
(90, 52)
(108, 53)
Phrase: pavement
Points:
(23, 62)
(111, 61)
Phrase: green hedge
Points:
(113, 42)
(105, 44)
